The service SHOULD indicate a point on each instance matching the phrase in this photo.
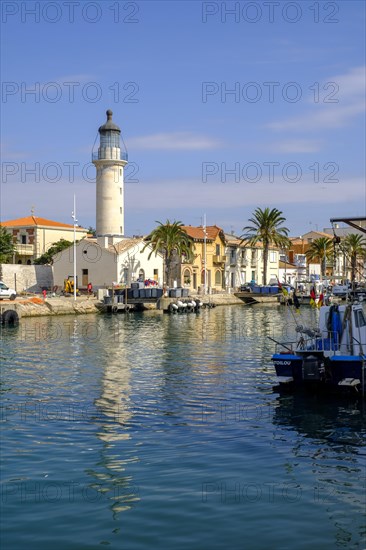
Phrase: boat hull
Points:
(314, 370)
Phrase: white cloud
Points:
(190, 193)
(184, 141)
(350, 97)
(296, 146)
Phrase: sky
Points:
(223, 106)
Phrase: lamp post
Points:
(75, 226)
(204, 255)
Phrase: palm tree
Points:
(170, 240)
(266, 228)
(320, 249)
(355, 247)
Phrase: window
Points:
(233, 256)
(273, 256)
(24, 239)
(217, 250)
(218, 278)
(141, 275)
(120, 210)
(187, 277)
(120, 190)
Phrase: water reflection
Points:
(336, 430)
(114, 411)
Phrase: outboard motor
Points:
(312, 368)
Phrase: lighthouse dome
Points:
(109, 125)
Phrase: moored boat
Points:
(330, 357)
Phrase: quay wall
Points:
(36, 306)
(31, 278)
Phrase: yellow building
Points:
(33, 236)
(193, 272)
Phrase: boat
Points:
(256, 294)
(331, 357)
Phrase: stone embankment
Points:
(36, 306)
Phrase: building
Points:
(122, 262)
(245, 263)
(33, 236)
(207, 269)
(287, 273)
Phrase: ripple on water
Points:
(171, 423)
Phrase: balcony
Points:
(110, 153)
(218, 259)
(24, 249)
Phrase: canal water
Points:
(148, 431)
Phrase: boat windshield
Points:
(360, 320)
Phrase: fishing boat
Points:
(330, 357)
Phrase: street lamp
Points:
(204, 254)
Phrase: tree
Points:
(355, 247)
(320, 250)
(92, 231)
(266, 228)
(7, 246)
(170, 240)
(47, 257)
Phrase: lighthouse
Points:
(109, 162)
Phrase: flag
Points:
(321, 300)
(312, 296)
(282, 289)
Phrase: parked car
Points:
(245, 288)
(6, 292)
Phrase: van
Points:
(6, 292)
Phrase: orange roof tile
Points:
(31, 221)
(197, 233)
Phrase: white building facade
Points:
(122, 263)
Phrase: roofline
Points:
(349, 221)
(71, 227)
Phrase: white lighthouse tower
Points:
(110, 162)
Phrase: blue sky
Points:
(290, 135)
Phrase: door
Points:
(84, 278)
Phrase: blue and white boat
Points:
(331, 357)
